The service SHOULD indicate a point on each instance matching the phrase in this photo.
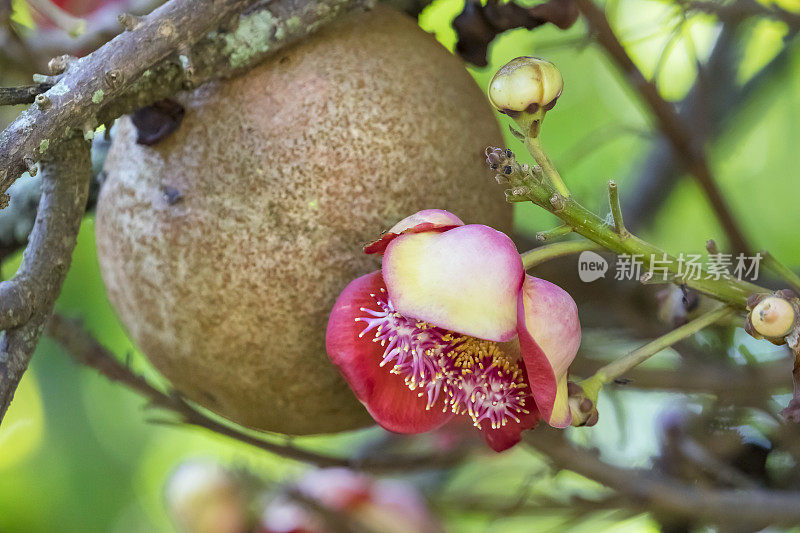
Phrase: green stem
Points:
(548, 193)
(545, 253)
(554, 233)
(782, 270)
(534, 146)
(618, 367)
(616, 208)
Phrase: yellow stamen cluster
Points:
(482, 377)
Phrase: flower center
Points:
(473, 376)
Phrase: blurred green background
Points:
(77, 453)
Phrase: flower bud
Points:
(204, 497)
(525, 84)
(582, 405)
(773, 317)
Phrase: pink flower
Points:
(373, 504)
(451, 325)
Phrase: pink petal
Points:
(549, 337)
(390, 402)
(465, 280)
(420, 222)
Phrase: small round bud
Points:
(773, 317)
(525, 84)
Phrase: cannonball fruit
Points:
(224, 246)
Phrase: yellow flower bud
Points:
(525, 84)
(773, 317)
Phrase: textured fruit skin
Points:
(224, 247)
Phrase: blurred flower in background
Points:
(202, 496)
(336, 499)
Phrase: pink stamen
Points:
(472, 375)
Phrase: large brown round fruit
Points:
(224, 246)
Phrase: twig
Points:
(615, 369)
(616, 209)
(669, 122)
(540, 188)
(694, 451)
(541, 254)
(86, 350)
(554, 233)
(23, 295)
(782, 270)
(742, 383)
(335, 521)
(36, 286)
(715, 99)
(123, 75)
(647, 491)
(22, 95)
(742, 9)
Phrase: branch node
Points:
(58, 65)
(31, 164)
(187, 65)
(128, 21)
(558, 202)
(113, 78)
(43, 78)
(42, 101)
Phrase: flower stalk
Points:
(534, 146)
(542, 254)
(618, 367)
(589, 389)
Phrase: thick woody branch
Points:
(31, 294)
(645, 490)
(16, 220)
(86, 350)
(180, 44)
(669, 121)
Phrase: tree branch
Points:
(22, 95)
(647, 491)
(86, 350)
(744, 383)
(16, 220)
(712, 102)
(181, 51)
(669, 122)
(38, 282)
